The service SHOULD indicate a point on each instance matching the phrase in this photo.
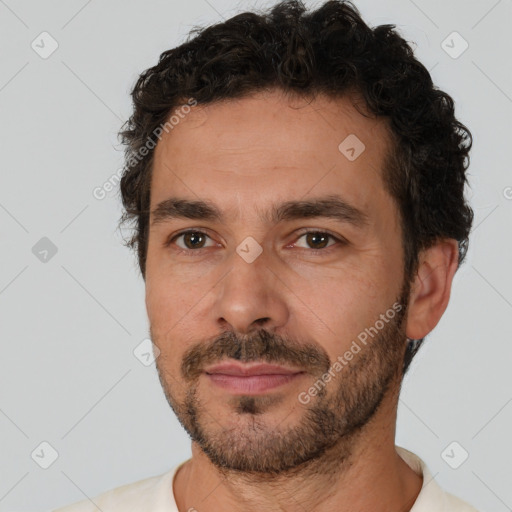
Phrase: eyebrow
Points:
(332, 206)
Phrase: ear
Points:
(430, 291)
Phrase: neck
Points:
(361, 473)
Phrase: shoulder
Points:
(130, 497)
(431, 496)
(454, 504)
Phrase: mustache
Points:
(260, 346)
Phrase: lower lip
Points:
(251, 384)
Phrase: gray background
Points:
(69, 324)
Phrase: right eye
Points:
(192, 240)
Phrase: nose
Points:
(250, 297)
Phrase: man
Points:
(297, 186)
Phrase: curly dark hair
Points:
(329, 51)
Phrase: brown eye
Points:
(318, 240)
(191, 240)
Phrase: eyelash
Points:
(194, 252)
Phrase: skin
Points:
(244, 155)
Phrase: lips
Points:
(249, 370)
(252, 378)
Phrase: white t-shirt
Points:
(155, 494)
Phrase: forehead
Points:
(268, 148)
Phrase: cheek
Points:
(345, 308)
(168, 289)
(337, 305)
(176, 306)
(159, 296)
(169, 302)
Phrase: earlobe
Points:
(430, 291)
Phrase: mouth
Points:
(250, 379)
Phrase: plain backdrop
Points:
(72, 300)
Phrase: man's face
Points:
(290, 289)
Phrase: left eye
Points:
(317, 240)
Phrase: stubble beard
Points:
(325, 434)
